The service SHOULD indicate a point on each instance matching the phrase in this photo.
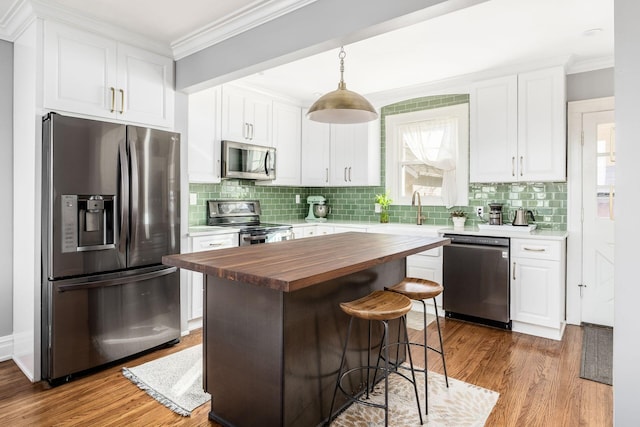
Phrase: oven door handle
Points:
(254, 238)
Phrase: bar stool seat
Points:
(421, 290)
(380, 306)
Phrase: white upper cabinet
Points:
(518, 128)
(92, 75)
(203, 136)
(350, 154)
(316, 153)
(340, 155)
(246, 116)
(542, 146)
(286, 140)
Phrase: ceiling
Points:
(496, 34)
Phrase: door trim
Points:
(575, 110)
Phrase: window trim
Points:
(392, 156)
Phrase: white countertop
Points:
(395, 228)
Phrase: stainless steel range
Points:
(245, 215)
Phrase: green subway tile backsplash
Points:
(548, 201)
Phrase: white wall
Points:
(590, 85)
(626, 330)
(6, 195)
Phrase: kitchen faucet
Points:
(413, 203)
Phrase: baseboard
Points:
(540, 331)
(194, 324)
(6, 348)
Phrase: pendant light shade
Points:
(342, 105)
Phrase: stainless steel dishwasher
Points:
(476, 279)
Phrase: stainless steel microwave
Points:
(248, 161)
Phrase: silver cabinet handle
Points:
(514, 270)
(326, 174)
(211, 245)
(513, 166)
(521, 168)
(122, 101)
(534, 249)
(349, 173)
(345, 174)
(113, 99)
(251, 128)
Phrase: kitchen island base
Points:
(271, 357)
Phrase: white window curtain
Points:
(434, 142)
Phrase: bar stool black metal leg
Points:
(386, 372)
(413, 373)
(444, 364)
(426, 348)
(344, 356)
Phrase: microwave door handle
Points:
(266, 164)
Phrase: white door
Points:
(598, 203)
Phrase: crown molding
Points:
(17, 18)
(574, 67)
(23, 12)
(244, 19)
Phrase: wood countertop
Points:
(295, 264)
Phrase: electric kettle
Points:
(522, 217)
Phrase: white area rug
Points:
(415, 320)
(460, 405)
(174, 380)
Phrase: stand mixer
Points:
(317, 209)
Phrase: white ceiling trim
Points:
(574, 67)
(23, 12)
(249, 17)
(15, 20)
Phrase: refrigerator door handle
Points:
(124, 199)
(134, 192)
(117, 281)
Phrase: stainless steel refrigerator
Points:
(110, 211)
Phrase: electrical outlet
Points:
(193, 199)
(377, 208)
(297, 198)
(480, 210)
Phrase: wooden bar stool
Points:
(382, 306)
(421, 290)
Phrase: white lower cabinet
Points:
(538, 287)
(196, 280)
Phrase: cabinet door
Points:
(145, 87)
(246, 116)
(349, 154)
(258, 112)
(316, 151)
(541, 126)
(204, 136)
(286, 140)
(234, 126)
(79, 71)
(493, 130)
(535, 293)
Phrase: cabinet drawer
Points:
(219, 241)
(536, 249)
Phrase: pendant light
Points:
(342, 106)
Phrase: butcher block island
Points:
(273, 328)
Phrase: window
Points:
(427, 151)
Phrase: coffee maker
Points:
(318, 210)
(495, 213)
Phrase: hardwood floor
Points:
(537, 380)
